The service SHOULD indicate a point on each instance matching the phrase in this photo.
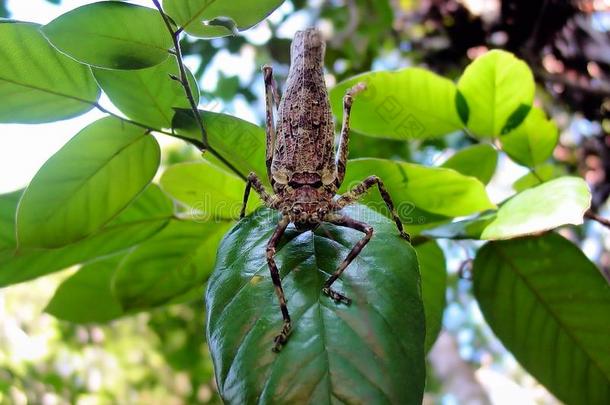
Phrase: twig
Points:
(593, 216)
(136, 123)
(183, 79)
(202, 147)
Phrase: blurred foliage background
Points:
(161, 357)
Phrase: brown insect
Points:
(301, 163)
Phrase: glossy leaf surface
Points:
(217, 18)
(499, 89)
(549, 305)
(532, 142)
(240, 142)
(112, 35)
(470, 228)
(144, 217)
(37, 83)
(384, 325)
(209, 191)
(406, 104)
(86, 296)
(539, 175)
(422, 195)
(559, 202)
(86, 183)
(555, 203)
(478, 161)
(148, 96)
(172, 263)
(433, 284)
(8, 207)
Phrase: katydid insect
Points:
(301, 163)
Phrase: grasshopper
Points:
(301, 163)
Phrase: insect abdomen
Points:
(305, 129)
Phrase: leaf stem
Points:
(183, 79)
(536, 175)
(138, 124)
(202, 147)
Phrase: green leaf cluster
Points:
(140, 244)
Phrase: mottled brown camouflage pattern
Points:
(304, 146)
(301, 163)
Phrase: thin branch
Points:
(199, 145)
(593, 216)
(226, 163)
(136, 123)
(183, 79)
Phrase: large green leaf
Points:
(216, 18)
(422, 195)
(406, 104)
(210, 191)
(152, 203)
(532, 142)
(558, 202)
(170, 264)
(240, 143)
(111, 34)
(499, 90)
(479, 161)
(369, 352)
(550, 307)
(555, 203)
(149, 95)
(38, 83)
(84, 185)
(8, 207)
(470, 228)
(433, 285)
(539, 175)
(144, 217)
(86, 296)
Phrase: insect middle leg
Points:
(280, 339)
(348, 100)
(361, 189)
(348, 222)
(254, 181)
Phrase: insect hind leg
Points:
(347, 222)
(281, 339)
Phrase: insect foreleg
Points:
(277, 282)
(348, 100)
(254, 181)
(360, 190)
(347, 222)
(271, 97)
